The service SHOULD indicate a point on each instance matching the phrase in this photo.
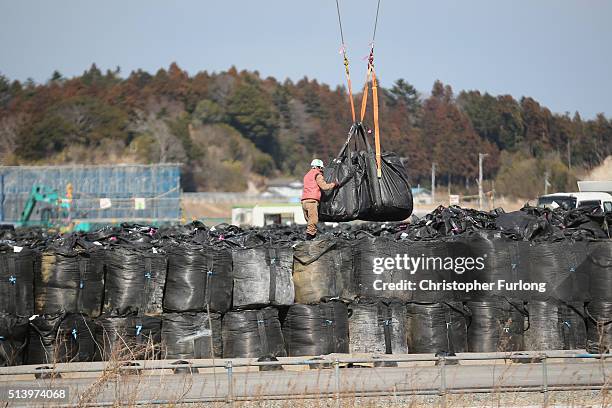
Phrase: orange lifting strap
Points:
(364, 102)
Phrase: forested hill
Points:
(231, 127)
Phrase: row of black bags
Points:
(365, 326)
(197, 278)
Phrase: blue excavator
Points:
(55, 213)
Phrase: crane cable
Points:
(371, 74)
(346, 64)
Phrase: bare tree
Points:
(9, 131)
(169, 147)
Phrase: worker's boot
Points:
(310, 237)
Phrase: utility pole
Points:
(481, 157)
(569, 154)
(546, 182)
(433, 183)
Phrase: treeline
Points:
(232, 128)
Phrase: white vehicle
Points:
(576, 200)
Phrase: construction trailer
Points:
(268, 214)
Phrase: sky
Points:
(556, 51)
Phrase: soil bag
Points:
(322, 270)
(198, 276)
(437, 328)
(312, 330)
(599, 327)
(573, 325)
(191, 335)
(496, 325)
(70, 281)
(61, 338)
(558, 265)
(262, 276)
(128, 337)
(499, 257)
(370, 274)
(17, 267)
(377, 326)
(252, 334)
(544, 326)
(598, 266)
(13, 339)
(135, 281)
(362, 194)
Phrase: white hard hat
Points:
(316, 163)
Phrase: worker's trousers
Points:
(311, 213)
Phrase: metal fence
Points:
(100, 193)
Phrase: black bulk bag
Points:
(573, 325)
(61, 338)
(198, 276)
(437, 327)
(262, 276)
(70, 280)
(128, 337)
(135, 281)
(496, 325)
(500, 257)
(252, 334)
(598, 266)
(312, 330)
(544, 326)
(13, 339)
(599, 327)
(322, 269)
(191, 335)
(558, 264)
(362, 194)
(367, 253)
(377, 326)
(17, 267)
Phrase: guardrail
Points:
(335, 374)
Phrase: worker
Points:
(314, 182)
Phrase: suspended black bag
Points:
(598, 266)
(71, 281)
(135, 281)
(262, 276)
(544, 332)
(252, 333)
(362, 194)
(573, 325)
(13, 339)
(198, 276)
(61, 338)
(312, 330)
(377, 326)
(128, 337)
(599, 327)
(322, 269)
(496, 325)
(191, 335)
(437, 328)
(17, 267)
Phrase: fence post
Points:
(230, 383)
(337, 377)
(442, 392)
(545, 380)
